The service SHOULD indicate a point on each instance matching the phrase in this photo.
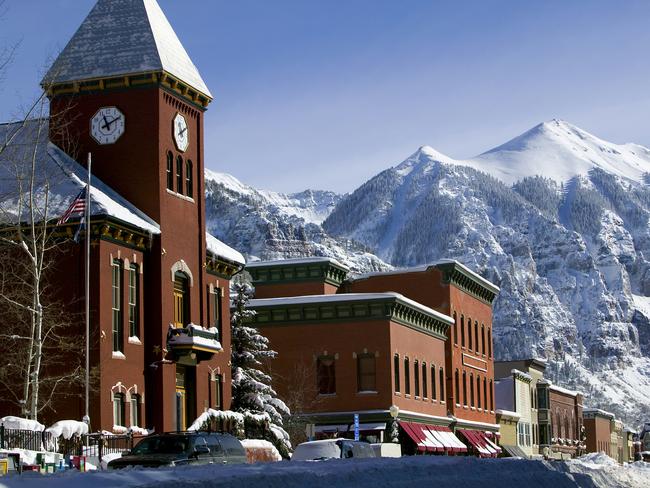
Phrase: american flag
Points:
(78, 206)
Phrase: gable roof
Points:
(124, 37)
(61, 174)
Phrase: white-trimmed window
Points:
(118, 332)
(118, 409)
(136, 403)
(134, 300)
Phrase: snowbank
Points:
(424, 471)
(217, 415)
(21, 424)
(68, 429)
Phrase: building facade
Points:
(534, 368)
(160, 283)
(560, 421)
(416, 362)
(513, 398)
(598, 428)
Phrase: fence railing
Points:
(89, 445)
(29, 440)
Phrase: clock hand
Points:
(183, 131)
(113, 121)
(106, 125)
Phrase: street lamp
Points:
(394, 434)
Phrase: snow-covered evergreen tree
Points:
(252, 393)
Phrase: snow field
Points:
(594, 471)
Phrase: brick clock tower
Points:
(125, 90)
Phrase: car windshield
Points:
(162, 445)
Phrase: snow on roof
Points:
(347, 297)
(598, 411)
(125, 37)
(296, 261)
(218, 248)
(426, 267)
(507, 413)
(62, 174)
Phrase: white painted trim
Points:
(182, 267)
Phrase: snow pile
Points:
(18, 423)
(68, 429)
(385, 472)
(134, 429)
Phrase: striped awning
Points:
(481, 444)
(432, 438)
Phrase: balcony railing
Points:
(194, 341)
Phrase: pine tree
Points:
(252, 393)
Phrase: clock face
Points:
(181, 133)
(107, 125)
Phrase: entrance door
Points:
(185, 396)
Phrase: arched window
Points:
(181, 300)
(179, 174)
(457, 387)
(119, 409)
(416, 374)
(478, 391)
(396, 372)
(462, 331)
(455, 329)
(189, 179)
(489, 339)
(116, 288)
(485, 392)
(482, 339)
(434, 390)
(407, 377)
(424, 380)
(476, 336)
(464, 388)
(471, 390)
(491, 396)
(469, 333)
(442, 384)
(170, 171)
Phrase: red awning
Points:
(480, 443)
(449, 440)
(421, 437)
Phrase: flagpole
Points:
(87, 410)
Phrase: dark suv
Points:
(183, 448)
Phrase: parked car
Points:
(183, 448)
(332, 449)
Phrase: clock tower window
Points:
(179, 174)
(170, 171)
(189, 179)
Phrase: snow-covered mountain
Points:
(269, 225)
(568, 248)
(560, 151)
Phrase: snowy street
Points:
(594, 471)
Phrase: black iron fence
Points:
(89, 445)
(24, 439)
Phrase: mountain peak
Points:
(560, 150)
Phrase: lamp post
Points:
(394, 433)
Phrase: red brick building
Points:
(439, 377)
(559, 413)
(598, 430)
(127, 92)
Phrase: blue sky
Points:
(326, 93)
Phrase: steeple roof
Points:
(125, 37)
